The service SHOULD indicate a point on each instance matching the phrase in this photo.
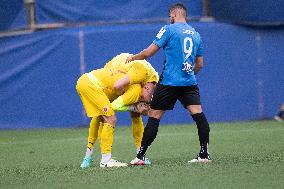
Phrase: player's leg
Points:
(137, 133)
(137, 128)
(190, 99)
(203, 133)
(164, 98)
(106, 141)
(93, 135)
(106, 137)
(100, 129)
(149, 135)
(280, 115)
(96, 103)
(84, 88)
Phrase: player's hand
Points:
(143, 108)
(140, 108)
(129, 58)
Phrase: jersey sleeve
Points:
(118, 105)
(131, 96)
(137, 74)
(162, 36)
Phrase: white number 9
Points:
(187, 49)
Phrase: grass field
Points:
(246, 155)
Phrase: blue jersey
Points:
(181, 44)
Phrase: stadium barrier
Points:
(13, 14)
(242, 78)
(248, 12)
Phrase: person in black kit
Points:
(183, 49)
(280, 115)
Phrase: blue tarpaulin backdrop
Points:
(260, 12)
(256, 12)
(242, 78)
(12, 13)
(112, 10)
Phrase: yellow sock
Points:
(100, 129)
(93, 132)
(106, 138)
(137, 130)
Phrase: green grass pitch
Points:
(245, 155)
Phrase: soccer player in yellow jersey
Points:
(115, 87)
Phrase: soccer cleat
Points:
(198, 159)
(138, 161)
(113, 163)
(278, 118)
(147, 161)
(87, 162)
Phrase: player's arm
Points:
(135, 75)
(131, 96)
(146, 53)
(198, 64)
(160, 40)
(121, 85)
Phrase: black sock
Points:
(281, 114)
(203, 132)
(149, 135)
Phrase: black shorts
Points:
(165, 96)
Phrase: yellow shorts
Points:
(95, 101)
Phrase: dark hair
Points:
(179, 6)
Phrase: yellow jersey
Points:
(139, 72)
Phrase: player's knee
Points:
(194, 109)
(110, 119)
(157, 114)
(113, 120)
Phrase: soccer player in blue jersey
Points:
(184, 58)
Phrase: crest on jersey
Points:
(105, 108)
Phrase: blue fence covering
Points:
(250, 12)
(242, 77)
(12, 13)
(112, 10)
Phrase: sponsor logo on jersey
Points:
(187, 67)
(161, 32)
(188, 32)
